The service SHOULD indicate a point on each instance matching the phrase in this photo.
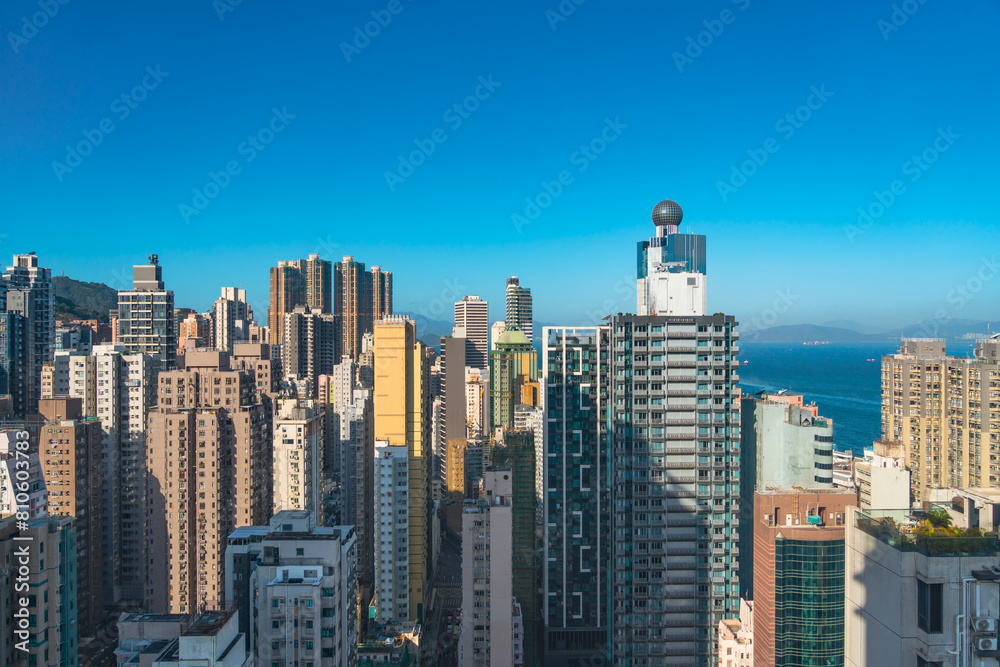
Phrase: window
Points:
(927, 663)
(929, 606)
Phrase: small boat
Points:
(871, 360)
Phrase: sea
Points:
(839, 377)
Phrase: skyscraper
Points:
(119, 389)
(519, 309)
(391, 603)
(70, 453)
(935, 406)
(576, 589)
(799, 575)
(231, 317)
(402, 411)
(298, 462)
(309, 348)
(517, 453)
(27, 334)
(302, 282)
(472, 322)
(209, 459)
(675, 427)
(487, 636)
(146, 315)
(359, 298)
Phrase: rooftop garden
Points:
(930, 533)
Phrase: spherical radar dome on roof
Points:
(667, 212)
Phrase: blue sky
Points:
(680, 124)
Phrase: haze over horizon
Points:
(822, 110)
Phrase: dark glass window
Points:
(929, 606)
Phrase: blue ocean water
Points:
(838, 377)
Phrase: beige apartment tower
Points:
(208, 465)
(942, 410)
(402, 408)
(69, 448)
(301, 282)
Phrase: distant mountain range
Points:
(801, 333)
(78, 300)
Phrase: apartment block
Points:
(391, 603)
(882, 480)
(487, 631)
(27, 332)
(402, 418)
(211, 638)
(298, 456)
(736, 638)
(70, 448)
(209, 466)
(44, 555)
(309, 348)
(305, 592)
(354, 434)
(117, 388)
(146, 315)
(231, 318)
(513, 362)
(10, 485)
(303, 282)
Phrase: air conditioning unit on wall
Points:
(986, 643)
(984, 624)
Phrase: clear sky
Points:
(683, 93)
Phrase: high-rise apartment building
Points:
(798, 575)
(353, 435)
(119, 390)
(305, 592)
(937, 407)
(675, 411)
(70, 455)
(146, 315)
(12, 498)
(50, 578)
(487, 633)
(517, 454)
(359, 298)
(381, 292)
(577, 535)
(27, 333)
(194, 330)
(298, 456)
(211, 638)
(302, 282)
(513, 362)
(519, 309)
(391, 603)
(674, 405)
(309, 348)
(231, 318)
(209, 464)
(472, 322)
(402, 418)
(793, 444)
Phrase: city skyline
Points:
(874, 95)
